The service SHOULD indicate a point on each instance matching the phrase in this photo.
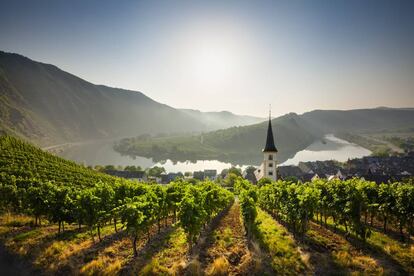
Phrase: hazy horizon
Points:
(234, 56)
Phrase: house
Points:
(315, 177)
(167, 178)
(198, 175)
(249, 175)
(290, 171)
(210, 174)
(134, 175)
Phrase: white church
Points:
(268, 168)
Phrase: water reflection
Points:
(329, 148)
(102, 153)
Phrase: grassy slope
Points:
(323, 251)
(275, 239)
(395, 256)
(74, 252)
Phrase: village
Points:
(378, 169)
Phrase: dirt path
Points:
(332, 253)
(224, 250)
(14, 265)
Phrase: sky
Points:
(238, 56)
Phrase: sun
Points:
(213, 61)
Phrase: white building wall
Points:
(268, 168)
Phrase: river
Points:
(102, 153)
(330, 148)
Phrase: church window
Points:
(270, 157)
(270, 165)
(270, 173)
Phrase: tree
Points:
(61, 206)
(264, 181)
(175, 193)
(192, 214)
(386, 201)
(133, 218)
(38, 197)
(9, 199)
(132, 168)
(109, 168)
(105, 193)
(89, 206)
(404, 206)
(248, 200)
(236, 171)
(230, 180)
(155, 171)
(161, 210)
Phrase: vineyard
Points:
(61, 217)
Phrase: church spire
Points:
(270, 143)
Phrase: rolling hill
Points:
(239, 145)
(46, 105)
(360, 120)
(292, 132)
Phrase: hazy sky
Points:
(239, 56)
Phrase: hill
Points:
(27, 163)
(360, 120)
(239, 145)
(46, 105)
(292, 133)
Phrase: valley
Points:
(206, 138)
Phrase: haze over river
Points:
(102, 153)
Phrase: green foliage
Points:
(133, 168)
(264, 181)
(239, 144)
(292, 202)
(155, 171)
(132, 216)
(199, 204)
(248, 198)
(45, 186)
(346, 202)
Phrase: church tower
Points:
(268, 168)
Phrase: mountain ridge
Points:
(44, 104)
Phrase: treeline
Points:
(66, 195)
(354, 204)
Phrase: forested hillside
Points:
(365, 120)
(237, 145)
(292, 133)
(47, 105)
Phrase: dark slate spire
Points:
(270, 143)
